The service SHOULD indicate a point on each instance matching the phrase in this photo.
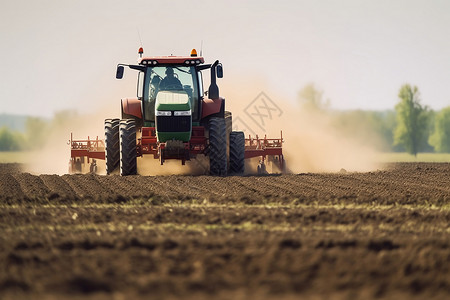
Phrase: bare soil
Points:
(377, 235)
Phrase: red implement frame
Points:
(85, 149)
(265, 148)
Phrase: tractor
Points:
(173, 117)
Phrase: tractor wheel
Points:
(112, 148)
(128, 154)
(217, 147)
(237, 152)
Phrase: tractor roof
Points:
(175, 60)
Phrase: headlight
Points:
(182, 113)
(163, 113)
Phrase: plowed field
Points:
(383, 234)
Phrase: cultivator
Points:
(270, 150)
(267, 150)
(85, 152)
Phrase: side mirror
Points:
(219, 71)
(119, 72)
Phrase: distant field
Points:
(421, 157)
(15, 157)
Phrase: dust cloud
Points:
(147, 165)
(54, 156)
(311, 142)
(313, 145)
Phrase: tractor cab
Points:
(170, 92)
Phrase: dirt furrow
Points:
(10, 187)
(32, 185)
(58, 186)
(87, 186)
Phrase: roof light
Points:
(194, 53)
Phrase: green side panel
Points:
(179, 136)
(172, 106)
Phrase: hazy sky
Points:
(62, 54)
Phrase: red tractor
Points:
(173, 117)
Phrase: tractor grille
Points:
(173, 123)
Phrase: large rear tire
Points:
(128, 153)
(217, 147)
(112, 148)
(237, 152)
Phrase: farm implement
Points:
(172, 117)
(85, 152)
(266, 150)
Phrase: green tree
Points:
(10, 140)
(411, 130)
(312, 99)
(440, 139)
(373, 128)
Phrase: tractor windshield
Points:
(170, 78)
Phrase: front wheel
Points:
(128, 153)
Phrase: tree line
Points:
(34, 136)
(411, 127)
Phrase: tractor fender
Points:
(213, 106)
(131, 107)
